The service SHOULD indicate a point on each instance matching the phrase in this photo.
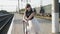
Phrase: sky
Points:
(11, 5)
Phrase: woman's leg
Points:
(29, 27)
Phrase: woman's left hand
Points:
(27, 19)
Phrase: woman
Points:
(29, 17)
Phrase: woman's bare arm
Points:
(31, 15)
(24, 16)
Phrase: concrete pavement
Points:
(17, 27)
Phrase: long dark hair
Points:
(27, 6)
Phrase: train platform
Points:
(45, 25)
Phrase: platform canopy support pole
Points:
(55, 16)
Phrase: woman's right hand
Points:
(25, 20)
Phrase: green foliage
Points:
(22, 10)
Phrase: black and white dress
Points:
(33, 23)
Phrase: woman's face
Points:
(28, 8)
